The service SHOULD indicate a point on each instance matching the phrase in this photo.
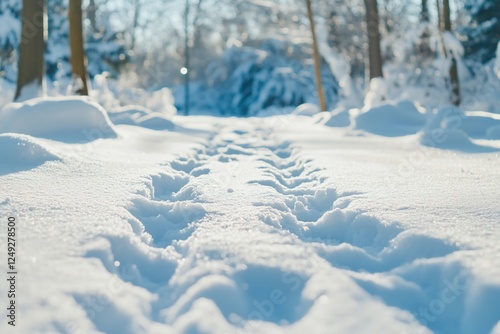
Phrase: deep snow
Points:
(276, 224)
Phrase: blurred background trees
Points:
(246, 55)
(483, 30)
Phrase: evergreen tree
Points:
(483, 31)
(104, 46)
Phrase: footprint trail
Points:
(245, 222)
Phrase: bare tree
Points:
(317, 60)
(454, 81)
(31, 63)
(78, 61)
(424, 47)
(186, 68)
(137, 5)
(374, 52)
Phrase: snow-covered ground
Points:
(273, 224)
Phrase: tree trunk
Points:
(440, 28)
(317, 61)
(374, 51)
(187, 70)
(454, 81)
(32, 47)
(78, 61)
(439, 15)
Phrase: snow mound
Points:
(338, 118)
(476, 124)
(452, 139)
(493, 132)
(155, 121)
(391, 120)
(480, 124)
(21, 152)
(128, 115)
(140, 116)
(67, 119)
(452, 128)
(306, 109)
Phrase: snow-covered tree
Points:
(483, 31)
(104, 47)
(263, 74)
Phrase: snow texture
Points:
(262, 225)
(70, 119)
(21, 152)
(391, 119)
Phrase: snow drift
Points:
(454, 129)
(67, 119)
(21, 152)
(140, 116)
(391, 120)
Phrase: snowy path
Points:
(247, 233)
(243, 234)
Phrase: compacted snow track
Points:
(245, 235)
(225, 226)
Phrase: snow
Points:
(340, 68)
(274, 224)
(453, 45)
(451, 128)
(140, 116)
(338, 118)
(31, 91)
(70, 119)
(389, 119)
(377, 92)
(19, 152)
(114, 95)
